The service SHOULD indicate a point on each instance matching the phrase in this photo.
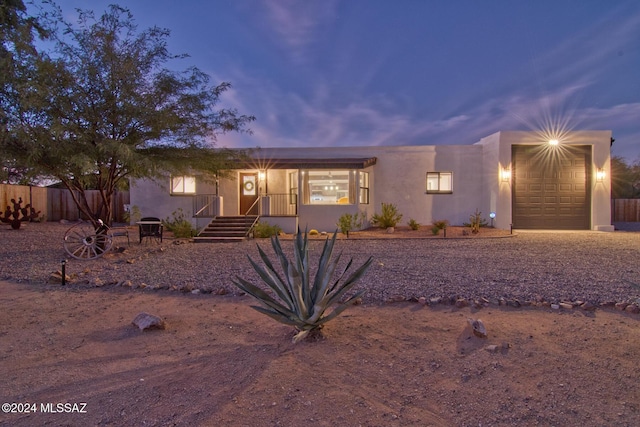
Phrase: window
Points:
(364, 188)
(439, 182)
(293, 188)
(183, 185)
(328, 187)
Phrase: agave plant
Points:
(298, 301)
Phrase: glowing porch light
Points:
(600, 174)
(553, 142)
(505, 174)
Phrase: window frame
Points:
(308, 182)
(363, 184)
(185, 179)
(439, 176)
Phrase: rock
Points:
(555, 306)
(566, 305)
(148, 321)
(221, 291)
(422, 300)
(97, 282)
(632, 308)
(195, 291)
(435, 300)
(461, 303)
(390, 230)
(478, 328)
(621, 306)
(587, 306)
(396, 298)
(56, 277)
(491, 348)
(513, 303)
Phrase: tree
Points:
(103, 107)
(17, 54)
(625, 179)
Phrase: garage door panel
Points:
(551, 194)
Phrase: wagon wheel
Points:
(82, 241)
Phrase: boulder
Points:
(148, 321)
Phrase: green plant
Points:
(435, 229)
(263, 230)
(349, 222)
(441, 224)
(179, 225)
(134, 215)
(413, 224)
(475, 222)
(389, 217)
(297, 301)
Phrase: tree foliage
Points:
(625, 179)
(103, 107)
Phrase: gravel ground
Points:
(530, 267)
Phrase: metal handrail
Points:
(246, 215)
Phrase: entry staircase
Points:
(227, 229)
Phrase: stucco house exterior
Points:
(523, 179)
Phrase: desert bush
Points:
(475, 222)
(389, 217)
(179, 225)
(413, 224)
(263, 230)
(349, 222)
(435, 229)
(296, 300)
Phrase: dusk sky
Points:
(409, 72)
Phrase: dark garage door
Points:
(550, 187)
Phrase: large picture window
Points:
(328, 187)
(183, 185)
(439, 182)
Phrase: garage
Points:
(551, 187)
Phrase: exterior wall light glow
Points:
(262, 175)
(553, 142)
(505, 174)
(600, 174)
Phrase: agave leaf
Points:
(301, 261)
(341, 307)
(335, 284)
(262, 296)
(348, 284)
(271, 279)
(296, 283)
(323, 275)
(276, 316)
(301, 335)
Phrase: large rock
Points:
(478, 328)
(148, 321)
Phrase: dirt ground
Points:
(220, 363)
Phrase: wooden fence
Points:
(55, 204)
(625, 210)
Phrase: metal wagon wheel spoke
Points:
(82, 242)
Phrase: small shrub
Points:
(441, 224)
(349, 222)
(413, 224)
(179, 225)
(263, 230)
(475, 222)
(389, 217)
(435, 229)
(296, 298)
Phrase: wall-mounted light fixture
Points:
(262, 175)
(553, 142)
(600, 174)
(505, 174)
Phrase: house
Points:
(521, 179)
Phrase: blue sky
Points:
(409, 72)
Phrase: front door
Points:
(248, 193)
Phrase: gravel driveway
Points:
(597, 267)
